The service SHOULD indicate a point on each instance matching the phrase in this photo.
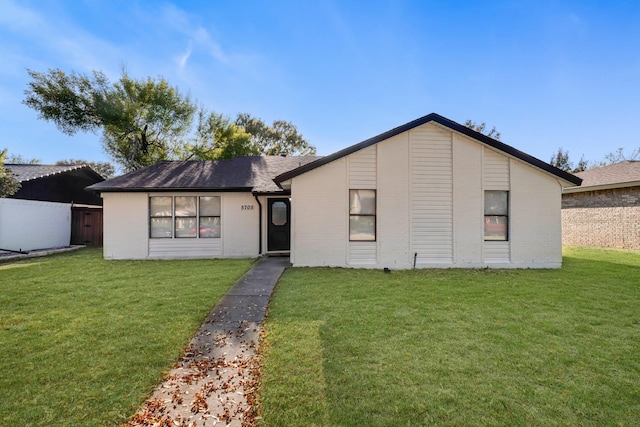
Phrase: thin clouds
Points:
(52, 36)
(198, 38)
(17, 18)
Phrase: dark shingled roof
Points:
(623, 174)
(29, 172)
(436, 118)
(251, 173)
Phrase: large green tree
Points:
(217, 137)
(141, 120)
(281, 138)
(144, 121)
(9, 185)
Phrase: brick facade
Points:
(605, 218)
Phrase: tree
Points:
(281, 138)
(620, 156)
(105, 169)
(219, 138)
(9, 185)
(141, 121)
(493, 133)
(561, 161)
(144, 121)
(17, 159)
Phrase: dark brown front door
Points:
(279, 227)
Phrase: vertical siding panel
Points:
(362, 176)
(431, 167)
(362, 169)
(495, 176)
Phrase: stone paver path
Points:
(214, 382)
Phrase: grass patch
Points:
(83, 341)
(457, 347)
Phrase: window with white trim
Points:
(184, 217)
(362, 215)
(496, 215)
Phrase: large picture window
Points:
(184, 217)
(496, 215)
(362, 215)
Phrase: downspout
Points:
(259, 224)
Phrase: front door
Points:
(279, 227)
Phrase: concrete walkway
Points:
(214, 382)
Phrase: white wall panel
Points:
(28, 225)
(393, 203)
(125, 225)
(468, 201)
(536, 220)
(126, 234)
(320, 216)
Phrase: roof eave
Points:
(602, 187)
(172, 189)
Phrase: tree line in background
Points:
(561, 160)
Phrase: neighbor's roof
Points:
(28, 172)
(250, 173)
(436, 118)
(619, 175)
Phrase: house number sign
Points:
(246, 207)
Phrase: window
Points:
(161, 213)
(209, 216)
(496, 215)
(362, 215)
(184, 217)
(279, 213)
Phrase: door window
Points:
(279, 214)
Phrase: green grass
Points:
(83, 341)
(457, 347)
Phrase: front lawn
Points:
(457, 347)
(83, 341)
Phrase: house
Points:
(40, 214)
(56, 183)
(605, 210)
(430, 193)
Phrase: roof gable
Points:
(436, 118)
(29, 172)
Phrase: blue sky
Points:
(546, 74)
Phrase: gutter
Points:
(259, 224)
